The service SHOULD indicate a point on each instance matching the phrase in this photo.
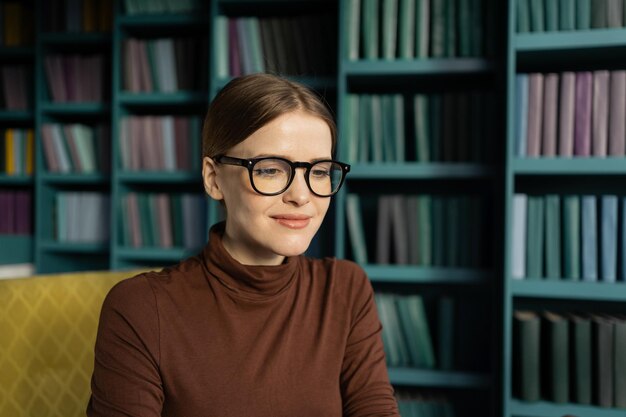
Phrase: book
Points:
(355, 228)
(399, 229)
(614, 13)
(445, 351)
(571, 237)
(353, 32)
(617, 109)
(423, 28)
(556, 365)
(582, 124)
(389, 29)
(583, 14)
(550, 113)
(415, 327)
(609, 238)
(551, 13)
(566, 113)
(602, 365)
(521, 113)
(580, 345)
(600, 121)
(526, 355)
(552, 237)
(383, 230)
(589, 239)
(518, 242)
(406, 30)
(534, 237)
(599, 14)
(535, 114)
(619, 371)
(537, 18)
(523, 16)
(370, 29)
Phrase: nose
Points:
(298, 192)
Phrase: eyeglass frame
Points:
(250, 163)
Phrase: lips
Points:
(293, 221)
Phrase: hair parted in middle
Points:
(250, 102)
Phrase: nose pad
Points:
(298, 190)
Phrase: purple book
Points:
(4, 227)
(233, 53)
(566, 114)
(600, 122)
(550, 107)
(22, 212)
(582, 124)
(9, 214)
(617, 115)
(535, 113)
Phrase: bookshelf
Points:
(559, 51)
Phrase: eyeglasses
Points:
(273, 175)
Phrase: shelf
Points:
(437, 66)
(73, 178)
(17, 52)
(162, 99)
(546, 409)
(416, 170)
(577, 290)
(160, 177)
(16, 249)
(74, 247)
(433, 378)
(569, 166)
(155, 254)
(75, 38)
(75, 109)
(426, 275)
(16, 180)
(580, 39)
(16, 116)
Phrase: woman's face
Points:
(262, 230)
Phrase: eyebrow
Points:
(272, 155)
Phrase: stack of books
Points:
(15, 212)
(564, 15)
(17, 151)
(75, 78)
(82, 217)
(16, 87)
(76, 148)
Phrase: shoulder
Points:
(347, 278)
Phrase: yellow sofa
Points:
(48, 328)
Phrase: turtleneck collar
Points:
(252, 282)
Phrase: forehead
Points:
(295, 135)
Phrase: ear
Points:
(209, 177)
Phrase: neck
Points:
(246, 257)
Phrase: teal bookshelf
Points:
(576, 50)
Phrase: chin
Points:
(293, 247)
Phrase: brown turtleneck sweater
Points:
(212, 337)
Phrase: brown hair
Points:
(250, 102)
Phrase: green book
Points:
(151, 52)
(434, 123)
(389, 128)
(553, 237)
(422, 28)
(556, 368)
(399, 137)
(535, 237)
(526, 358)
(567, 15)
(406, 38)
(353, 16)
(438, 29)
(523, 16)
(450, 29)
(464, 31)
(583, 14)
(452, 224)
(376, 128)
(355, 228)
(438, 230)
(365, 131)
(619, 335)
(445, 332)
(146, 220)
(351, 130)
(382, 302)
(370, 31)
(580, 345)
(599, 14)
(414, 321)
(571, 237)
(603, 360)
(222, 46)
(422, 131)
(390, 29)
(552, 15)
(537, 16)
(425, 230)
(476, 28)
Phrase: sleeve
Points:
(365, 386)
(126, 379)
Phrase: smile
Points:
(293, 221)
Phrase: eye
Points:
(320, 172)
(269, 172)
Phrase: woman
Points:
(250, 327)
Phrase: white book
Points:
(60, 150)
(518, 245)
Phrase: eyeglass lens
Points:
(272, 176)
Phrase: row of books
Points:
(75, 78)
(164, 220)
(569, 237)
(17, 151)
(407, 338)
(76, 148)
(133, 7)
(425, 230)
(160, 143)
(82, 217)
(564, 15)
(164, 64)
(287, 45)
(15, 212)
(570, 358)
(77, 15)
(407, 29)
(376, 128)
(423, 405)
(18, 23)
(569, 114)
(16, 82)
